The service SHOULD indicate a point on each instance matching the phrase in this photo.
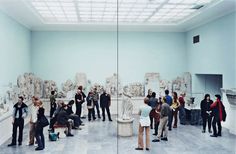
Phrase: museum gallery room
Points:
(118, 76)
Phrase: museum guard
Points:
(20, 112)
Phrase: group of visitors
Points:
(212, 110)
(37, 122)
(93, 103)
(165, 109)
(61, 114)
(158, 113)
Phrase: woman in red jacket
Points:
(217, 108)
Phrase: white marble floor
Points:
(101, 138)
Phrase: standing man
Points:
(33, 120)
(84, 108)
(144, 124)
(95, 101)
(20, 112)
(79, 100)
(105, 103)
(169, 102)
(53, 104)
(165, 110)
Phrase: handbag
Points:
(43, 121)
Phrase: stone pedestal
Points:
(125, 127)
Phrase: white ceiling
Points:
(101, 15)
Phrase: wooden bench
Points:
(61, 129)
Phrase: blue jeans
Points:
(40, 137)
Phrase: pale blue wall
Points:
(142, 52)
(59, 55)
(216, 52)
(14, 48)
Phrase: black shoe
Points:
(69, 135)
(38, 148)
(209, 131)
(169, 129)
(103, 119)
(164, 139)
(147, 149)
(19, 143)
(110, 119)
(203, 131)
(12, 144)
(156, 140)
(30, 144)
(94, 118)
(151, 127)
(99, 117)
(218, 134)
(154, 134)
(81, 124)
(83, 117)
(89, 120)
(213, 135)
(138, 148)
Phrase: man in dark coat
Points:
(20, 111)
(105, 103)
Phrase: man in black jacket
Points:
(79, 100)
(105, 103)
(20, 111)
(63, 119)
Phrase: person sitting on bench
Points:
(53, 119)
(74, 117)
(63, 119)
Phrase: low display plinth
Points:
(125, 127)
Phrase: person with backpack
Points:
(41, 123)
(219, 114)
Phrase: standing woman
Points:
(144, 125)
(175, 107)
(218, 115)
(90, 106)
(39, 127)
(206, 113)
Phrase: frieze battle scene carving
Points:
(29, 85)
